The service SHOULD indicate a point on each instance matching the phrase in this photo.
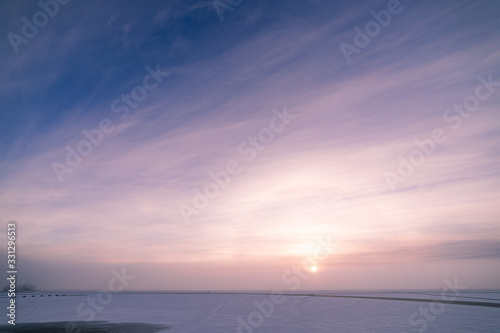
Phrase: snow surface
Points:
(219, 313)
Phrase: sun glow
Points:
(314, 269)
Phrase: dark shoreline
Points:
(83, 327)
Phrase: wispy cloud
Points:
(323, 174)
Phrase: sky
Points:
(250, 145)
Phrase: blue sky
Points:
(306, 144)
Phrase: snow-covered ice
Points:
(219, 313)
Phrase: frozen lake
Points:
(218, 313)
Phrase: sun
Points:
(314, 269)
